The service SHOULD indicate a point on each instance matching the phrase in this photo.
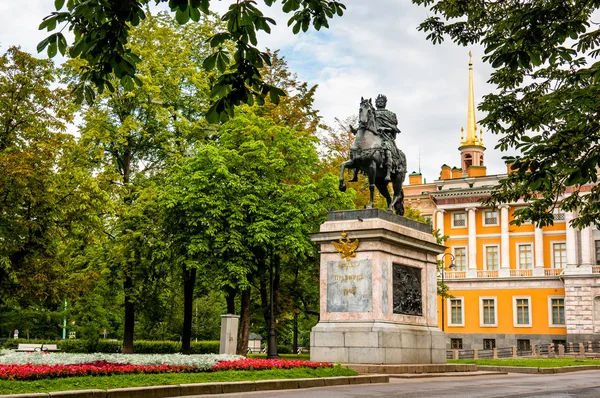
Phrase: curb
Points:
(182, 390)
(529, 370)
(454, 374)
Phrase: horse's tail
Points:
(402, 164)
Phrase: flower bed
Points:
(202, 362)
(262, 364)
(99, 368)
(40, 365)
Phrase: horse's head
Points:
(366, 115)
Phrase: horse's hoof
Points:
(342, 187)
(353, 179)
(388, 179)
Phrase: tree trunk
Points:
(242, 345)
(189, 281)
(230, 299)
(295, 334)
(263, 285)
(128, 324)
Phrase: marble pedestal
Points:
(363, 317)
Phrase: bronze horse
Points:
(367, 156)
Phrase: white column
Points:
(586, 246)
(504, 239)
(571, 240)
(472, 237)
(439, 221)
(439, 225)
(539, 248)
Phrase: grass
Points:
(530, 362)
(138, 380)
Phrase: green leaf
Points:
(182, 17)
(58, 4)
(52, 48)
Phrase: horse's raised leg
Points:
(347, 163)
(372, 174)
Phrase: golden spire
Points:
(471, 138)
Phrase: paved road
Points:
(566, 385)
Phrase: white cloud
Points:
(374, 48)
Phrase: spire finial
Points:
(471, 136)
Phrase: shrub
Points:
(205, 347)
(114, 346)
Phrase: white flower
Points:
(202, 362)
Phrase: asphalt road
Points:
(566, 385)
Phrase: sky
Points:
(375, 48)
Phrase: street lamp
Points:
(452, 267)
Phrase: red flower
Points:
(263, 364)
(97, 368)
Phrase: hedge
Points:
(113, 346)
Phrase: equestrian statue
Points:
(374, 153)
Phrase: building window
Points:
(522, 311)
(597, 252)
(460, 258)
(523, 345)
(488, 311)
(456, 344)
(456, 311)
(489, 344)
(559, 255)
(525, 256)
(490, 217)
(558, 215)
(459, 220)
(491, 258)
(557, 309)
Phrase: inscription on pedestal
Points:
(349, 286)
(407, 290)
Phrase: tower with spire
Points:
(471, 145)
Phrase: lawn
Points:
(139, 380)
(530, 362)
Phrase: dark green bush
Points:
(284, 349)
(114, 346)
(156, 347)
(204, 347)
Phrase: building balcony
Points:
(520, 273)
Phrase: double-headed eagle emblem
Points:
(346, 248)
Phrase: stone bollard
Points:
(514, 351)
(475, 354)
(534, 350)
(581, 350)
(229, 332)
(569, 347)
(455, 354)
(590, 347)
(561, 350)
(495, 350)
(551, 352)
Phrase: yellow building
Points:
(511, 286)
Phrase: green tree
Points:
(103, 29)
(133, 132)
(51, 203)
(244, 203)
(546, 105)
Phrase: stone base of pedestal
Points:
(377, 343)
